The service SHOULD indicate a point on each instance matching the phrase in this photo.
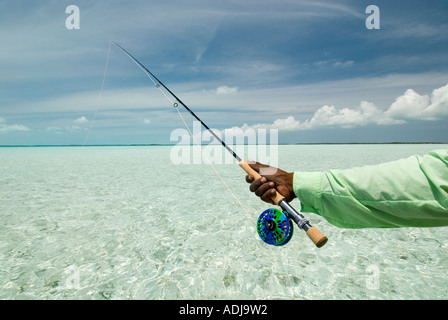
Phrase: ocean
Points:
(128, 222)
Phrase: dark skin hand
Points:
(272, 179)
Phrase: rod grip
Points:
(317, 237)
(243, 164)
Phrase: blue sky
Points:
(310, 69)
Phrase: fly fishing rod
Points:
(274, 226)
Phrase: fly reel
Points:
(274, 227)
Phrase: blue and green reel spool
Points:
(274, 227)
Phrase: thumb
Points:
(262, 169)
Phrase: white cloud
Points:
(335, 64)
(409, 106)
(295, 106)
(5, 128)
(147, 121)
(226, 90)
(330, 116)
(287, 124)
(413, 106)
(343, 64)
(366, 113)
(74, 128)
(81, 120)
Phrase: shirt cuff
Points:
(307, 188)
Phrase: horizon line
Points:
(170, 145)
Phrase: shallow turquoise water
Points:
(126, 223)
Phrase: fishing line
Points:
(159, 85)
(214, 169)
(180, 115)
(100, 97)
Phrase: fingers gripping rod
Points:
(313, 233)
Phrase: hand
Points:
(272, 179)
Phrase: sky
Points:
(309, 71)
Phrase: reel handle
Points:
(318, 238)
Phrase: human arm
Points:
(410, 192)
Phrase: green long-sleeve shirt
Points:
(411, 192)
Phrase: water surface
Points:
(126, 223)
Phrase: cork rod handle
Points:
(318, 238)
